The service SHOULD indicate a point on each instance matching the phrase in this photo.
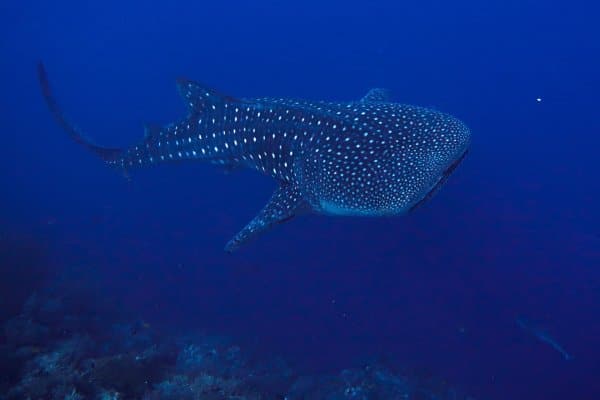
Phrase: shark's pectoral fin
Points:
(231, 167)
(286, 203)
(375, 95)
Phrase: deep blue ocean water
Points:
(514, 232)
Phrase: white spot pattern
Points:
(367, 157)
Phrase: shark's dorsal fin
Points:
(286, 203)
(376, 95)
(198, 97)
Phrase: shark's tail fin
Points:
(109, 155)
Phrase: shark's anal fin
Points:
(376, 95)
(285, 204)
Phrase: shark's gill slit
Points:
(440, 182)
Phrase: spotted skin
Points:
(369, 157)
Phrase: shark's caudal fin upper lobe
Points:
(107, 154)
(202, 103)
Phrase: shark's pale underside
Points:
(369, 157)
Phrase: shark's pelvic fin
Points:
(107, 154)
(375, 95)
(286, 203)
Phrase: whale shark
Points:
(368, 157)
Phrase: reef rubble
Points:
(54, 350)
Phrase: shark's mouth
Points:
(440, 181)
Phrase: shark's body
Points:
(366, 158)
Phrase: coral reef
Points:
(56, 350)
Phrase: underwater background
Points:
(472, 293)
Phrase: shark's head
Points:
(437, 144)
(395, 158)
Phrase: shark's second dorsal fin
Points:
(286, 202)
(376, 95)
(198, 97)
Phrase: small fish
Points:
(542, 335)
(368, 157)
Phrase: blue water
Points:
(515, 230)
